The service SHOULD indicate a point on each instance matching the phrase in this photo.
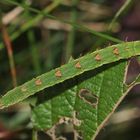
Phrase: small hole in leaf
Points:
(76, 121)
(133, 71)
(76, 114)
(61, 128)
(88, 97)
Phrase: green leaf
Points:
(87, 105)
(70, 70)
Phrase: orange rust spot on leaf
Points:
(58, 73)
(23, 89)
(38, 82)
(78, 65)
(116, 51)
(98, 57)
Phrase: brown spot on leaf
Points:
(88, 97)
(38, 82)
(98, 57)
(78, 65)
(58, 73)
(23, 89)
(116, 51)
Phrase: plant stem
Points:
(8, 46)
(120, 11)
(34, 52)
(71, 37)
(34, 135)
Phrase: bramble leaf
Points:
(87, 105)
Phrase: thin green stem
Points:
(71, 37)
(34, 52)
(34, 135)
(120, 11)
